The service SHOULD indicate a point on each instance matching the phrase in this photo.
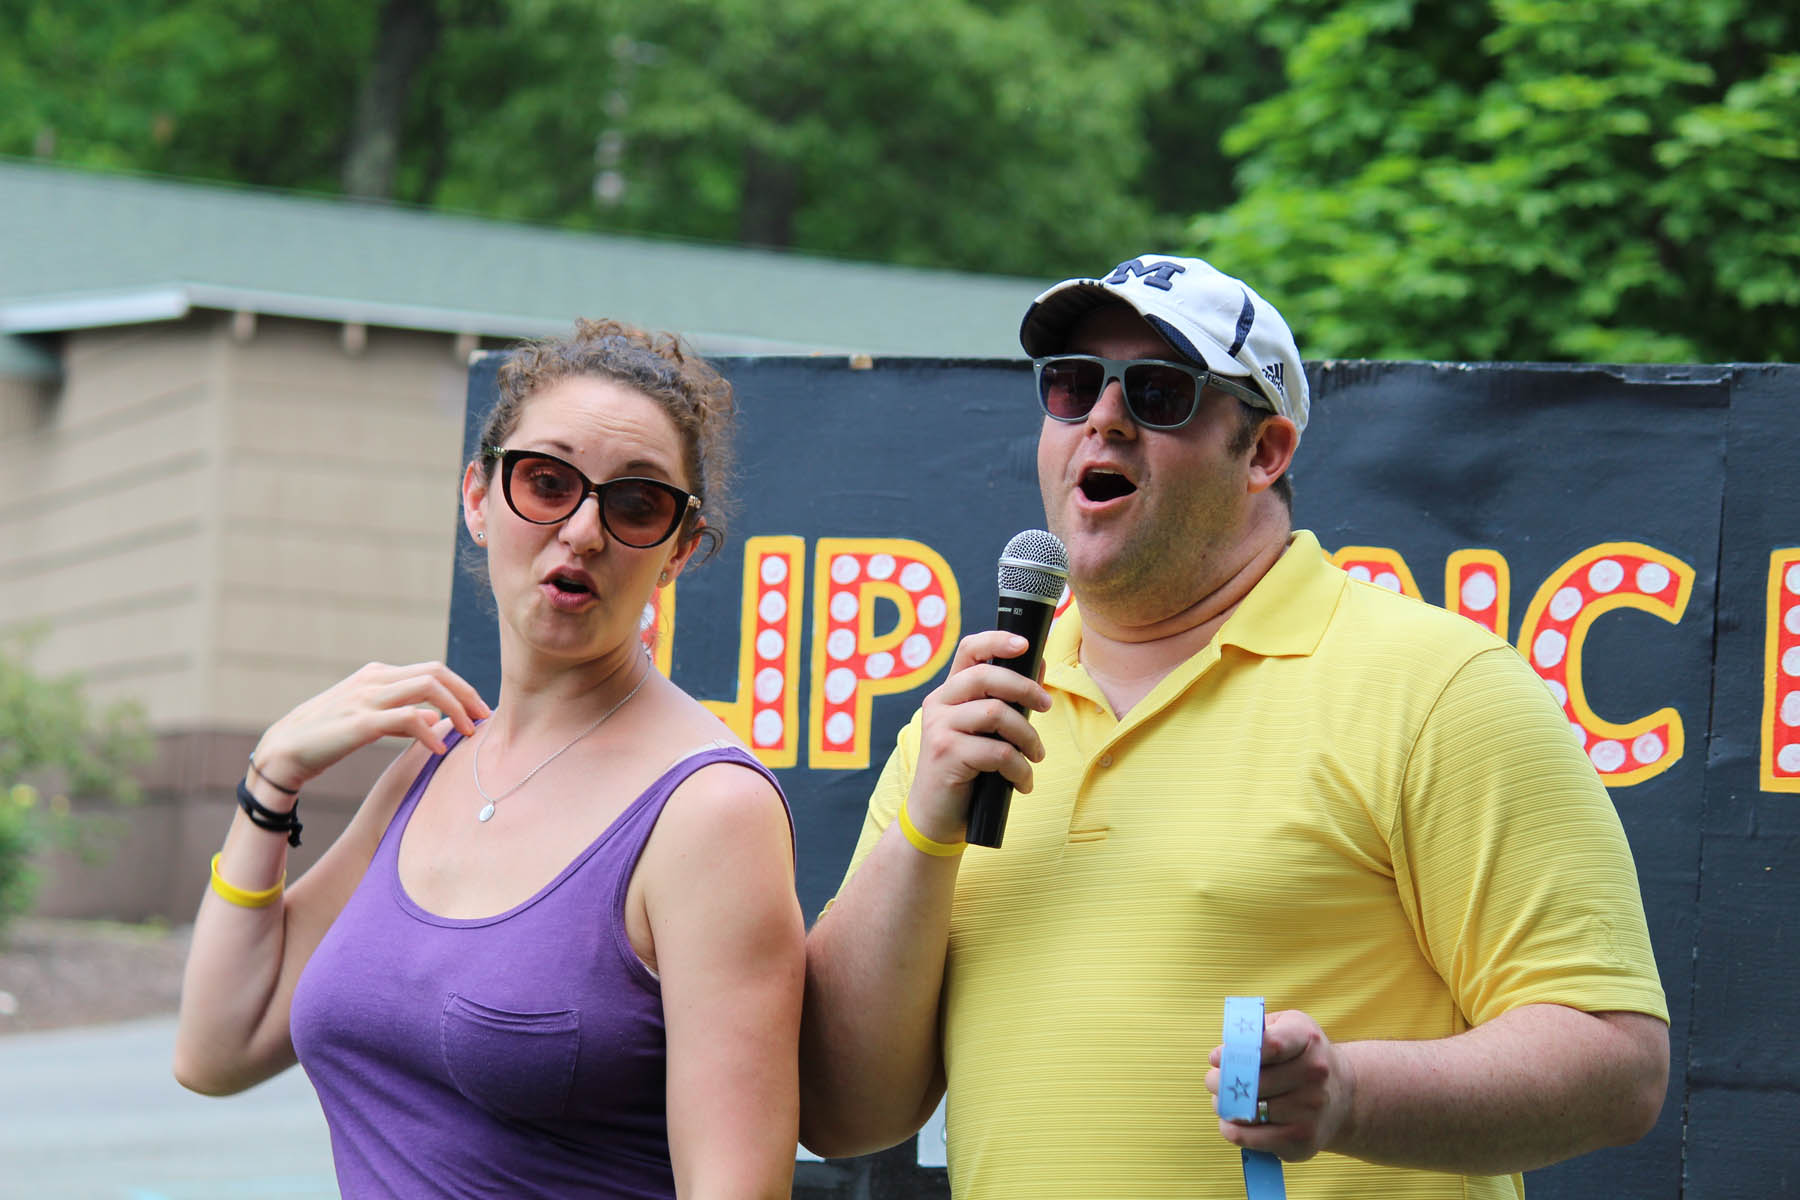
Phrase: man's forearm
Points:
(870, 1063)
(1532, 1087)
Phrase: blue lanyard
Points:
(1240, 1067)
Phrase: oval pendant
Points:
(486, 814)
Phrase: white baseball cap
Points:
(1210, 318)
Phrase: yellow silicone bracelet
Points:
(233, 894)
(925, 844)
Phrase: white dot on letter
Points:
(916, 577)
(1605, 575)
(1789, 758)
(1652, 578)
(1607, 756)
(1647, 748)
(1360, 572)
(1791, 622)
(1566, 603)
(1559, 691)
(768, 684)
(932, 611)
(915, 650)
(881, 566)
(1790, 661)
(774, 569)
(769, 643)
(841, 644)
(765, 728)
(880, 665)
(1548, 650)
(843, 606)
(1793, 579)
(839, 684)
(1580, 733)
(1790, 708)
(1388, 580)
(843, 568)
(772, 607)
(839, 728)
(1479, 591)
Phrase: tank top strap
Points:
(389, 846)
(625, 843)
(636, 825)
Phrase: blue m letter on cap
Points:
(1156, 275)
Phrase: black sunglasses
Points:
(1158, 394)
(543, 489)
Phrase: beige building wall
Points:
(104, 527)
(219, 517)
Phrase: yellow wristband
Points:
(232, 894)
(925, 844)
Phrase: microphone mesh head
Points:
(1034, 564)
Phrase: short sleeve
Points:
(1510, 858)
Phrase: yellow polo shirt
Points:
(1350, 803)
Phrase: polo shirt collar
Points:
(1286, 613)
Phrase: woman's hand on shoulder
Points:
(378, 700)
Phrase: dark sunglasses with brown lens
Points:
(543, 489)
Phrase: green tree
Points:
(995, 135)
(218, 89)
(1612, 181)
(54, 744)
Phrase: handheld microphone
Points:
(1033, 568)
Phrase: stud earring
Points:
(480, 537)
(663, 578)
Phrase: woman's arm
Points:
(235, 994)
(730, 947)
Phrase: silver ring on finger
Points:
(1262, 1112)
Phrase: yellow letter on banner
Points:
(766, 712)
(1378, 565)
(1478, 585)
(851, 662)
(1594, 582)
(1781, 676)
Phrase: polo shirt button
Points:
(1106, 760)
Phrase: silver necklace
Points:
(487, 810)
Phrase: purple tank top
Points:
(516, 1055)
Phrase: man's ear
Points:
(1276, 440)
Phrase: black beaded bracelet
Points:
(268, 818)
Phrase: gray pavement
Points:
(93, 1114)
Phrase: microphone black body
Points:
(1032, 570)
(991, 798)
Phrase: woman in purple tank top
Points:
(557, 951)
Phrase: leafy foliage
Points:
(1511, 179)
(1614, 181)
(52, 740)
(1040, 138)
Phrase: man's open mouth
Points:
(1100, 485)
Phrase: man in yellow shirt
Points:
(1247, 774)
